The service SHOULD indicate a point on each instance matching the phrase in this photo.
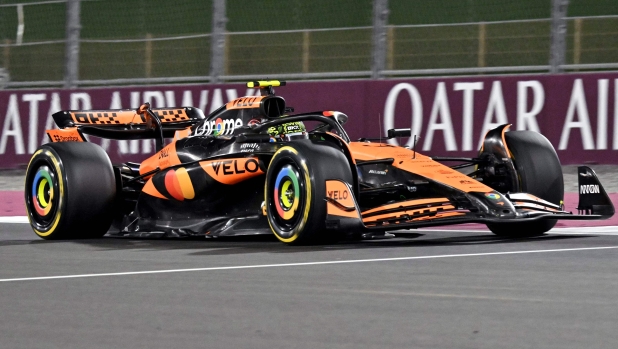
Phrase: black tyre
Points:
(295, 190)
(70, 191)
(539, 173)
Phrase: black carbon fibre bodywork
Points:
(214, 203)
(217, 209)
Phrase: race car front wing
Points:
(493, 207)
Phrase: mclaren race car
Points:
(252, 167)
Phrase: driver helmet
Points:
(288, 131)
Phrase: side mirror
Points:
(340, 117)
(399, 132)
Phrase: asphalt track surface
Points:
(430, 289)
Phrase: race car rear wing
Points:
(143, 123)
(170, 117)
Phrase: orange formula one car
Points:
(250, 168)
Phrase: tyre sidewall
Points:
(47, 156)
(310, 209)
(539, 173)
(87, 189)
(318, 162)
(537, 165)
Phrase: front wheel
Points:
(539, 173)
(295, 191)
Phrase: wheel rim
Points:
(43, 196)
(287, 199)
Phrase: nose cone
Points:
(493, 204)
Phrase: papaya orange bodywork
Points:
(232, 171)
(408, 203)
(343, 143)
(150, 189)
(165, 158)
(406, 160)
(244, 103)
(180, 134)
(338, 191)
(435, 210)
(69, 134)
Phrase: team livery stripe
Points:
(405, 205)
(186, 187)
(178, 184)
(410, 215)
(535, 207)
(172, 185)
(529, 198)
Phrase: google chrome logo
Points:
(492, 196)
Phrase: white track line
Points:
(14, 219)
(261, 266)
(600, 230)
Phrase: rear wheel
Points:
(70, 191)
(539, 173)
(295, 190)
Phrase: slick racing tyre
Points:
(295, 191)
(539, 173)
(70, 191)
